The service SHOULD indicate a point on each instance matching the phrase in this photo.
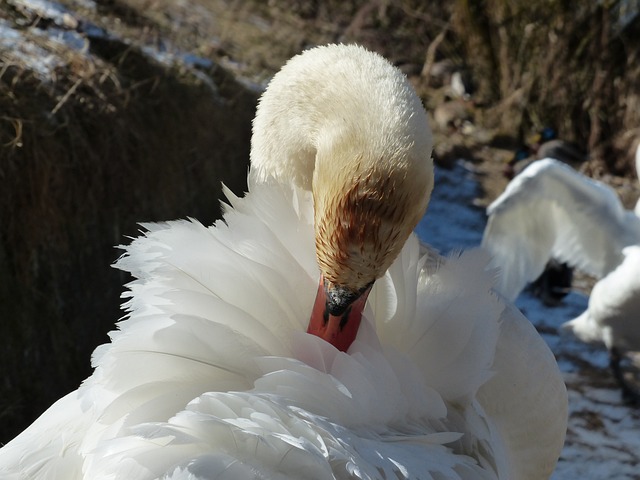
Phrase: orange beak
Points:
(336, 314)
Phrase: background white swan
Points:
(212, 375)
(612, 316)
(552, 211)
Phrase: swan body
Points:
(552, 211)
(614, 303)
(212, 375)
(612, 317)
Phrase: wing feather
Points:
(550, 210)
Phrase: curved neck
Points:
(339, 95)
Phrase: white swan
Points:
(612, 317)
(212, 376)
(550, 210)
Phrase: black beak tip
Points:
(340, 298)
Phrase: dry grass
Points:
(556, 63)
(108, 138)
(563, 64)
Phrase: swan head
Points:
(365, 207)
(344, 123)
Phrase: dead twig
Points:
(431, 51)
(66, 96)
(17, 126)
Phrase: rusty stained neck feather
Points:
(360, 232)
(361, 225)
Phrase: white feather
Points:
(612, 315)
(410, 382)
(550, 210)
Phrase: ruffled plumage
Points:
(212, 371)
(211, 375)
